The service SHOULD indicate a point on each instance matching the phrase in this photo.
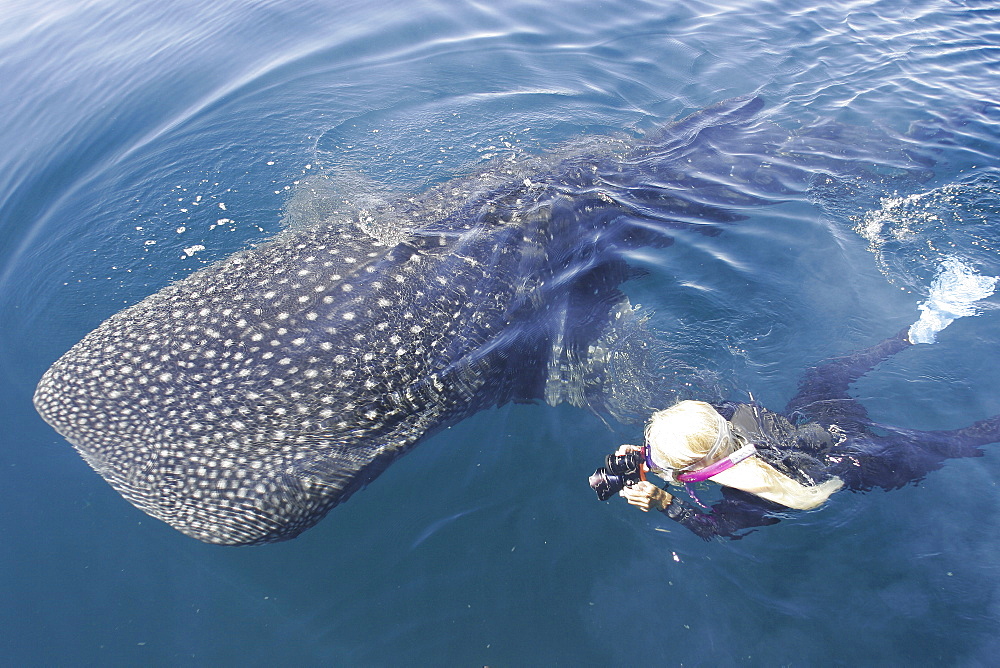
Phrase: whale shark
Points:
(242, 403)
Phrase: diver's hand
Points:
(646, 495)
(626, 448)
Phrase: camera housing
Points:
(618, 472)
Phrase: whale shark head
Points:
(242, 403)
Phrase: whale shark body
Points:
(242, 403)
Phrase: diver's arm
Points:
(727, 518)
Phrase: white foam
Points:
(954, 291)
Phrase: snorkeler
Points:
(770, 462)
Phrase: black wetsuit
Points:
(823, 433)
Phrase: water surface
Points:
(144, 141)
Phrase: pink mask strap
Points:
(718, 467)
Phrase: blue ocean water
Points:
(141, 142)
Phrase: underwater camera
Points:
(618, 472)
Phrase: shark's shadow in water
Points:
(241, 404)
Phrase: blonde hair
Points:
(692, 434)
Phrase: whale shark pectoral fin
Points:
(613, 374)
